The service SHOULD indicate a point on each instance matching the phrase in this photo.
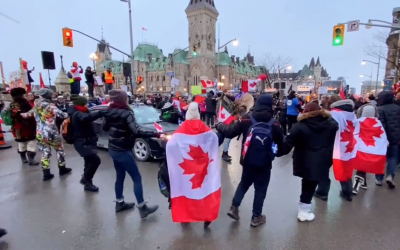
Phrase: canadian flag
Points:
(42, 85)
(359, 144)
(194, 172)
(207, 84)
(246, 144)
(224, 116)
(158, 127)
(250, 85)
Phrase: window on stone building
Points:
(151, 78)
(163, 78)
(185, 77)
(158, 78)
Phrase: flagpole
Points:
(142, 35)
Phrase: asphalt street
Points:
(59, 215)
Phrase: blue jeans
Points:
(391, 162)
(226, 144)
(108, 87)
(123, 163)
(260, 178)
(75, 87)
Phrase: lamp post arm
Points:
(379, 21)
(226, 44)
(371, 62)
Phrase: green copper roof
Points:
(116, 66)
(306, 71)
(143, 49)
(224, 59)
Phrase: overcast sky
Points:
(300, 29)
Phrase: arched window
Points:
(185, 77)
(158, 78)
(163, 78)
(151, 78)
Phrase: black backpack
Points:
(258, 149)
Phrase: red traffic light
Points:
(68, 33)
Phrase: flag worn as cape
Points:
(194, 172)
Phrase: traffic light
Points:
(338, 35)
(195, 50)
(139, 80)
(68, 40)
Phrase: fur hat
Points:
(341, 103)
(15, 92)
(193, 112)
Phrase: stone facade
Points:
(151, 63)
(393, 44)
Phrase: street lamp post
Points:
(377, 74)
(133, 84)
(93, 57)
(289, 67)
(362, 75)
(235, 43)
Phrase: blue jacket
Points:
(292, 106)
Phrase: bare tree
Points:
(379, 49)
(273, 64)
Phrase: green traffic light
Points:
(338, 40)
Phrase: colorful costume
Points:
(47, 134)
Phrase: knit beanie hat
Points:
(78, 100)
(45, 93)
(367, 110)
(118, 96)
(193, 112)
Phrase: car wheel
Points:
(141, 150)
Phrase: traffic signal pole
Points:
(130, 56)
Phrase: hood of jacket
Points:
(317, 120)
(385, 97)
(345, 105)
(71, 110)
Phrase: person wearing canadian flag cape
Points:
(194, 171)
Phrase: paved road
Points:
(58, 215)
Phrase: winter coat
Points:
(389, 115)
(241, 127)
(45, 113)
(22, 129)
(211, 105)
(122, 129)
(85, 138)
(89, 75)
(313, 138)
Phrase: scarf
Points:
(81, 109)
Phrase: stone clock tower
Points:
(202, 18)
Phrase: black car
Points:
(144, 148)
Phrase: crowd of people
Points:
(268, 129)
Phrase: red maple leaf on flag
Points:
(368, 131)
(253, 84)
(198, 166)
(222, 115)
(348, 136)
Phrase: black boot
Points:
(23, 156)
(31, 158)
(226, 157)
(145, 210)
(47, 175)
(88, 185)
(64, 170)
(122, 206)
(2, 232)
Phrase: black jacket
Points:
(389, 115)
(313, 138)
(85, 138)
(211, 104)
(122, 129)
(241, 127)
(89, 75)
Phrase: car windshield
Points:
(145, 114)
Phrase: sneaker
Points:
(358, 181)
(90, 187)
(206, 224)
(378, 183)
(145, 210)
(322, 197)
(234, 213)
(122, 206)
(257, 221)
(364, 185)
(390, 183)
(304, 213)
